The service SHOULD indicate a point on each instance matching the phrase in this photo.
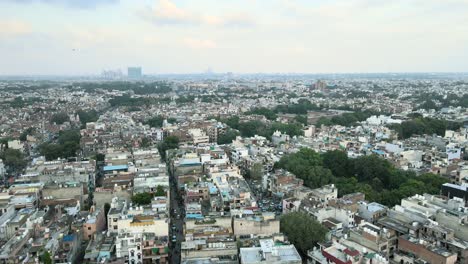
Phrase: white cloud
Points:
(166, 12)
(199, 43)
(11, 28)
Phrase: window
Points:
(132, 253)
(115, 227)
(89, 228)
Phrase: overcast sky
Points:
(243, 36)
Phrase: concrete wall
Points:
(452, 222)
(102, 197)
(243, 226)
(159, 227)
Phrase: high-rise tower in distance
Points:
(134, 72)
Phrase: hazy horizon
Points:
(85, 37)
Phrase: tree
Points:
(68, 144)
(26, 133)
(301, 119)
(88, 116)
(145, 142)
(156, 121)
(256, 171)
(107, 208)
(303, 231)
(169, 142)
(366, 168)
(337, 161)
(421, 126)
(160, 191)
(13, 159)
(60, 118)
(377, 178)
(268, 113)
(46, 258)
(227, 137)
(142, 198)
(100, 157)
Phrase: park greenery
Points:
(377, 178)
(256, 127)
(127, 100)
(299, 108)
(268, 113)
(346, 119)
(423, 125)
(303, 231)
(433, 100)
(19, 102)
(66, 145)
(141, 88)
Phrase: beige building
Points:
(261, 226)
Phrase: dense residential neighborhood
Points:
(227, 168)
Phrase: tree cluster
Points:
(141, 88)
(303, 231)
(301, 108)
(59, 118)
(256, 127)
(346, 119)
(66, 145)
(88, 116)
(422, 126)
(227, 137)
(377, 178)
(127, 100)
(13, 160)
(146, 197)
(268, 113)
(169, 142)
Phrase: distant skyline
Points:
(84, 37)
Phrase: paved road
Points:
(177, 219)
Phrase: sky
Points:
(77, 37)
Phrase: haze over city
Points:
(234, 131)
(76, 37)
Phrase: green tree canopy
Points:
(160, 191)
(156, 121)
(169, 142)
(68, 144)
(142, 198)
(59, 118)
(88, 116)
(227, 137)
(377, 178)
(302, 230)
(268, 113)
(13, 159)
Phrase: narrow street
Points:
(176, 221)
